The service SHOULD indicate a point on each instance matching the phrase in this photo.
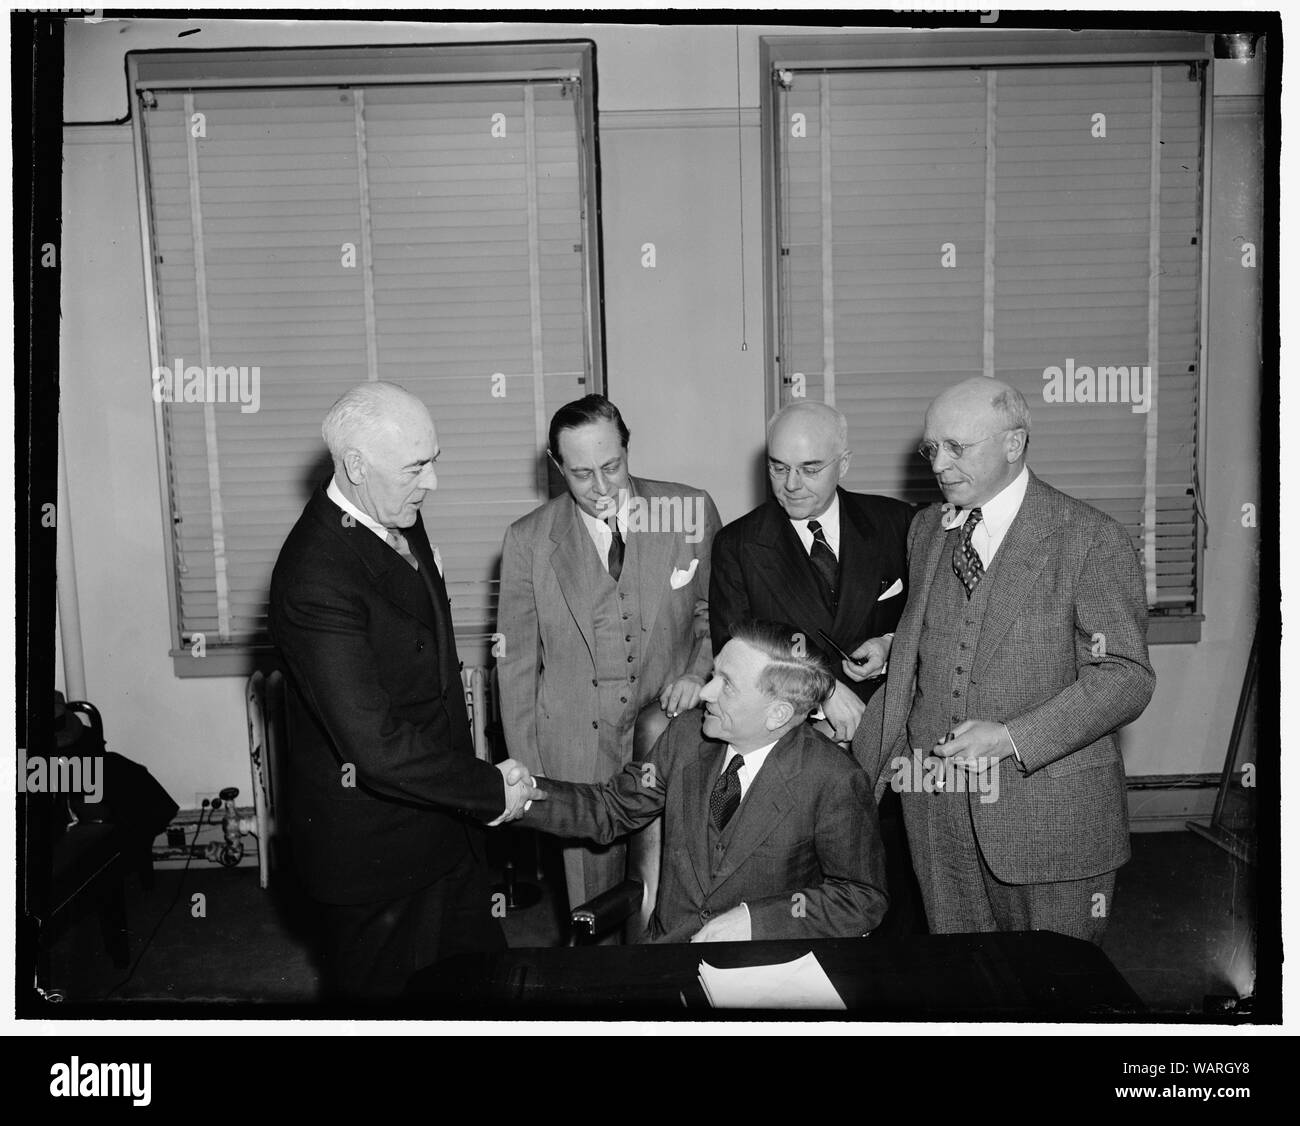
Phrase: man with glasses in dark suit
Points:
(833, 564)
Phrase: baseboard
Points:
(1165, 803)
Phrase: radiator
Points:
(480, 702)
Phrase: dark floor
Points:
(1181, 931)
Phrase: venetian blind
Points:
(1016, 221)
(429, 235)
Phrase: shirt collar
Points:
(595, 524)
(753, 759)
(997, 512)
(829, 520)
(336, 495)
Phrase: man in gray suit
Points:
(770, 829)
(1021, 651)
(604, 615)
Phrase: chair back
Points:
(645, 847)
(264, 698)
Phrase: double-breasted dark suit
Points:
(385, 795)
(761, 570)
(803, 850)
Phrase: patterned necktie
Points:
(398, 543)
(823, 559)
(966, 563)
(615, 549)
(725, 799)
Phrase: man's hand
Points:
(843, 711)
(520, 791)
(730, 926)
(682, 694)
(976, 745)
(869, 659)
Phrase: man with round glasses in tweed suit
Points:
(1020, 653)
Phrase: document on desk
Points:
(801, 984)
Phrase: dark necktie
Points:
(725, 799)
(398, 543)
(966, 562)
(823, 559)
(615, 549)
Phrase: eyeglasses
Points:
(930, 450)
(809, 469)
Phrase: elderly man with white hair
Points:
(386, 800)
(1021, 652)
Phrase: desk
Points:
(1037, 975)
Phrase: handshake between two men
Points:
(770, 830)
(521, 791)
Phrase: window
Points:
(1037, 222)
(318, 219)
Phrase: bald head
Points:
(982, 395)
(808, 417)
(989, 420)
(807, 454)
(384, 445)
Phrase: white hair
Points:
(1012, 409)
(361, 412)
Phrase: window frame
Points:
(425, 64)
(988, 47)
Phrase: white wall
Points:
(694, 399)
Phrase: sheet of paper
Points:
(801, 984)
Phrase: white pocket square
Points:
(897, 588)
(680, 578)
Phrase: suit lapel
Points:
(781, 560)
(1016, 567)
(568, 559)
(418, 541)
(859, 571)
(766, 805)
(654, 556)
(392, 577)
(699, 776)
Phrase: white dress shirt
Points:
(599, 531)
(753, 763)
(830, 522)
(996, 516)
(336, 495)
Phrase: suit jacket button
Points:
(705, 915)
(595, 725)
(595, 683)
(419, 646)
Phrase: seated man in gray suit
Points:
(770, 829)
